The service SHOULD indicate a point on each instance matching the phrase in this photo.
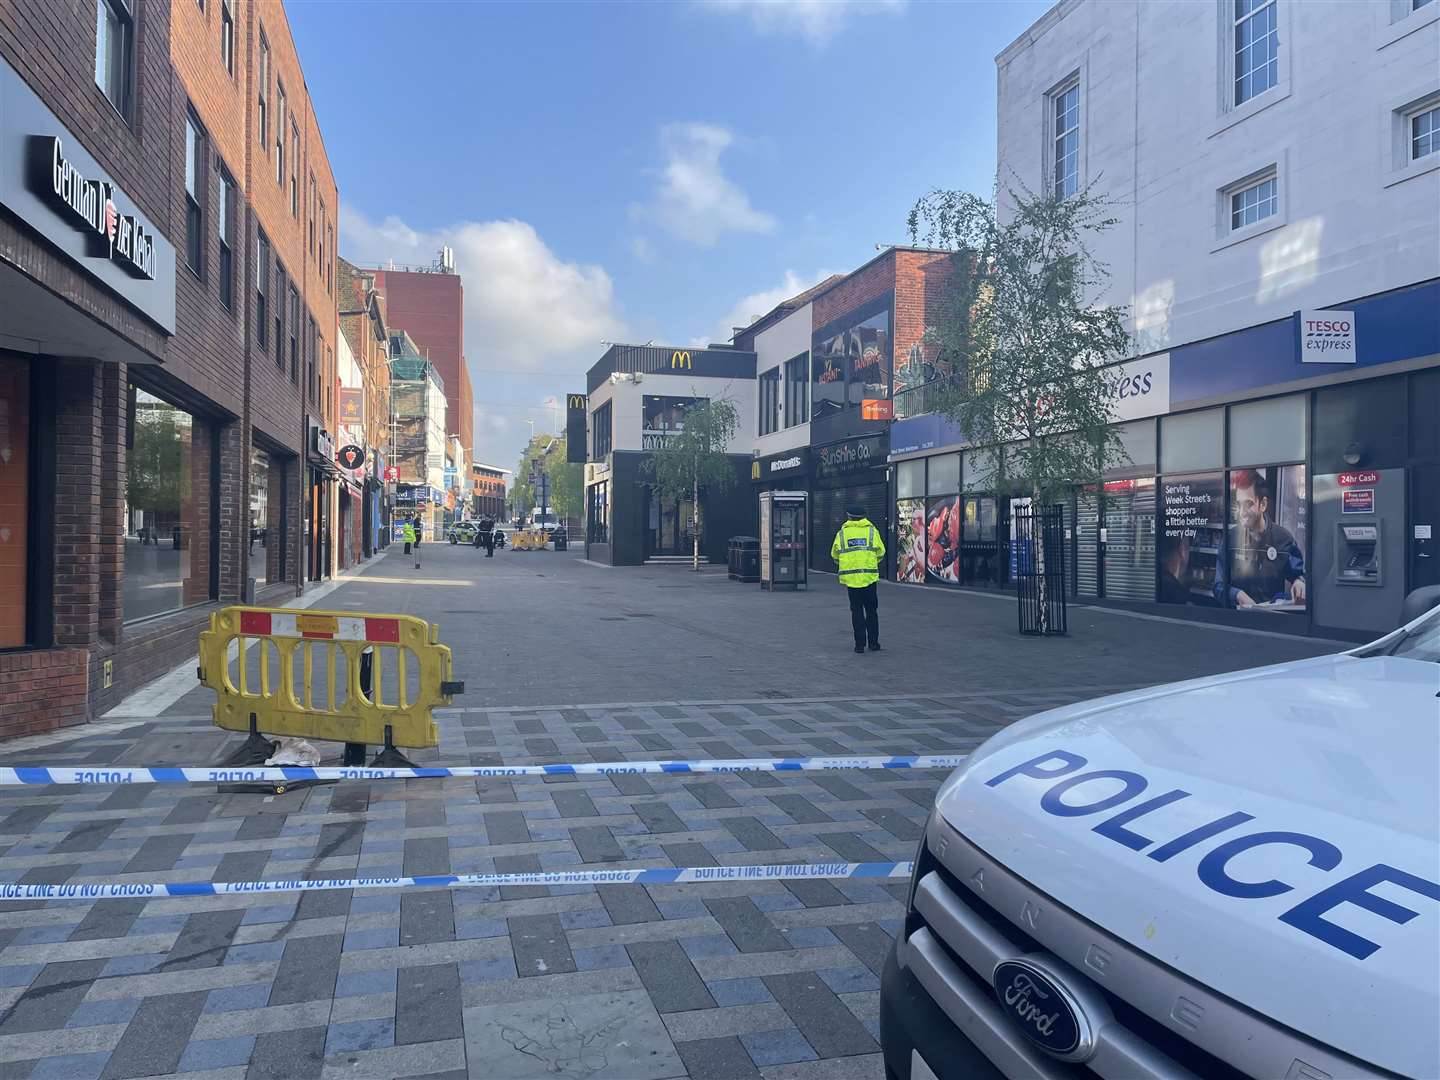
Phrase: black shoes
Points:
(874, 647)
(860, 648)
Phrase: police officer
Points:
(858, 550)
(407, 533)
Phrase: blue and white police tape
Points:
(654, 876)
(289, 774)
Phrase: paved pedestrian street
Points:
(708, 980)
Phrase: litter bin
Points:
(561, 540)
(747, 559)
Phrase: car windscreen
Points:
(1421, 642)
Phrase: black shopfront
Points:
(846, 473)
(788, 470)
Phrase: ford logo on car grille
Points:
(1043, 1008)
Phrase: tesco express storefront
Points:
(1287, 472)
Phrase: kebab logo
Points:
(121, 238)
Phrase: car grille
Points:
(954, 937)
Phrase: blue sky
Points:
(629, 171)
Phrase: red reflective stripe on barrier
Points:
(317, 635)
(255, 622)
(382, 630)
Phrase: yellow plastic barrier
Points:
(303, 693)
(530, 540)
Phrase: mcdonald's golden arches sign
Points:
(680, 358)
(755, 469)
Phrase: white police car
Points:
(1234, 876)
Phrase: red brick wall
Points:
(42, 691)
(431, 308)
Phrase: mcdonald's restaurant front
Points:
(637, 399)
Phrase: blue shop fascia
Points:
(1290, 469)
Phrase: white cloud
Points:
(694, 200)
(759, 303)
(817, 21)
(523, 303)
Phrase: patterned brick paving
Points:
(707, 980)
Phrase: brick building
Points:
(363, 326)
(429, 304)
(151, 437)
(487, 499)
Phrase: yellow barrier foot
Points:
(255, 750)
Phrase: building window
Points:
(1416, 5)
(114, 48)
(294, 336)
(323, 232)
(1254, 203)
(1425, 133)
(597, 516)
(279, 316)
(194, 196)
(851, 365)
(770, 401)
(1257, 48)
(268, 518)
(1065, 142)
(600, 428)
(294, 171)
(797, 390)
(227, 37)
(225, 229)
(312, 380)
(262, 289)
(263, 77)
(167, 528)
(310, 222)
(330, 265)
(280, 111)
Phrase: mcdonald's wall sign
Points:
(699, 362)
(575, 409)
(680, 359)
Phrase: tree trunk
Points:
(695, 528)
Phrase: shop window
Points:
(1137, 445)
(267, 518)
(262, 290)
(769, 389)
(225, 229)
(910, 479)
(167, 539)
(195, 183)
(851, 365)
(797, 390)
(14, 501)
(597, 513)
(828, 377)
(1192, 441)
(1270, 430)
(1263, 557)
(114, 51)
(664, 416)
(981, 558)
(910, 535)
(942, 539)
(943, 475)
(980, 470)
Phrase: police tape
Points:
(654, 876)
(283, 774)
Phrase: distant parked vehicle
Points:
(461, 532)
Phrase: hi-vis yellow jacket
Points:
(858, 549)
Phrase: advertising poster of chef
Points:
(942, 531)
(910, 536)
(1264, 559)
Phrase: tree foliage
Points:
(695, 459)
(1026, 342)
(547, 453)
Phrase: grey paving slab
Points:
(51, 997)
(717, 1059)
(297, 1054)
(428, 1004)
(747, 925)
(108, 919)
(156, 1037)
(307, 970)
(753, 835)
(868, 942)
(669, 976)
(628, 903)
(822, 1018)
(204, 940)
(540, 946)
(596, 844)
(426, 916)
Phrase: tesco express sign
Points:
(1140, 388)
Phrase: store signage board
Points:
(877, 409)
(1327, 337)
(352, 405)
(1357, 501)
(50, 182)
(351, 457)
(1140, 388)
(575, 417)
(849, 457)
(1356, 479)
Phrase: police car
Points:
(1233, 876)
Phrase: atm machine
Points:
(783, 520)
(1357, 550)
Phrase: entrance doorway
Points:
(671, 526)
(1424, 519)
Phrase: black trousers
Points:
(865, 614)
(407, 547)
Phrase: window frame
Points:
(278, 302)
(1228, 113)
(602, 433)
(197, 185)
(262, 290)
(1400, 114)
(1225, 232)
(225, 235)
(124, 18)
(1053, 101)
(310, 216)
(294, 328)
(797, 390)
(770, 389)
(281, 108)
(1267, 194)
(312, 367)
(227, 37)
(294, 169)
(263, 96)
(1271, 10)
